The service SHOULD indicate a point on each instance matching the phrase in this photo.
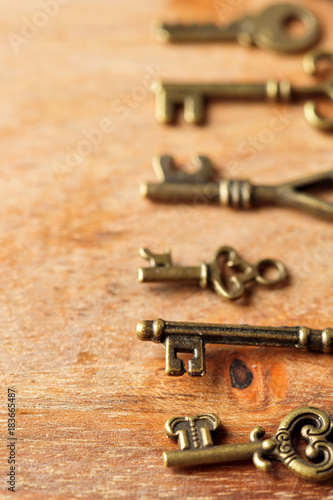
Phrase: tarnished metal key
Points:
(194, 96)
(192, 338)
(225, 284)
(179, 186)
(313, 425)
(268, 30)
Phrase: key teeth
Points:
(165, 110)
(261, 463)
(177, 369)
(194, 109)
(165, 171)
(163, 167)
(194, 370)
(256, 434)
(204, 167)
(145, 253)
(157, 259)
(267, 446)
(192, 432)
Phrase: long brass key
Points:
(192, 338)
(179, 186)
(230, 286)
(193, 96)
(313, 425)
(268, 30)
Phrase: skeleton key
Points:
(214, 274)
(313, 425)
(192, 338)
(177, 185)
(194, 95)
(268, 30)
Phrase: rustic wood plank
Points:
(91, 399)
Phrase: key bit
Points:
(216, 274)
(268, 30)
(194, 96)
(313, 425)
(178, 186)
(193, 337)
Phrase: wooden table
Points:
(77, 137)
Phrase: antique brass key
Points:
(194, 95)
(268, 30)
(192, 338)
(313, 425)
(214, 274)
(177, 186)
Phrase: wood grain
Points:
(91, 399)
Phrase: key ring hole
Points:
(295, 26)
(270, 272)
(319, 63)
(300, 446)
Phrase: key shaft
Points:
(193, 337)
(185, 192)
(211, 455)
(170, 274)
(209, 32)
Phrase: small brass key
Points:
(193, 96)
(179, 186)
(313, 425)
(268, 30)
(192, 338)
(214, 274)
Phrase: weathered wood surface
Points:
(91, 399)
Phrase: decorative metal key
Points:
(177, 186)
(268, 30)
(214, 274)
(192, 338)
(312, 424)
(194, 95)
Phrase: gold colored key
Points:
(268, 30)
(216, 274)
(178, 186)
(194, 96)
(313, 425)
(193, 337)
